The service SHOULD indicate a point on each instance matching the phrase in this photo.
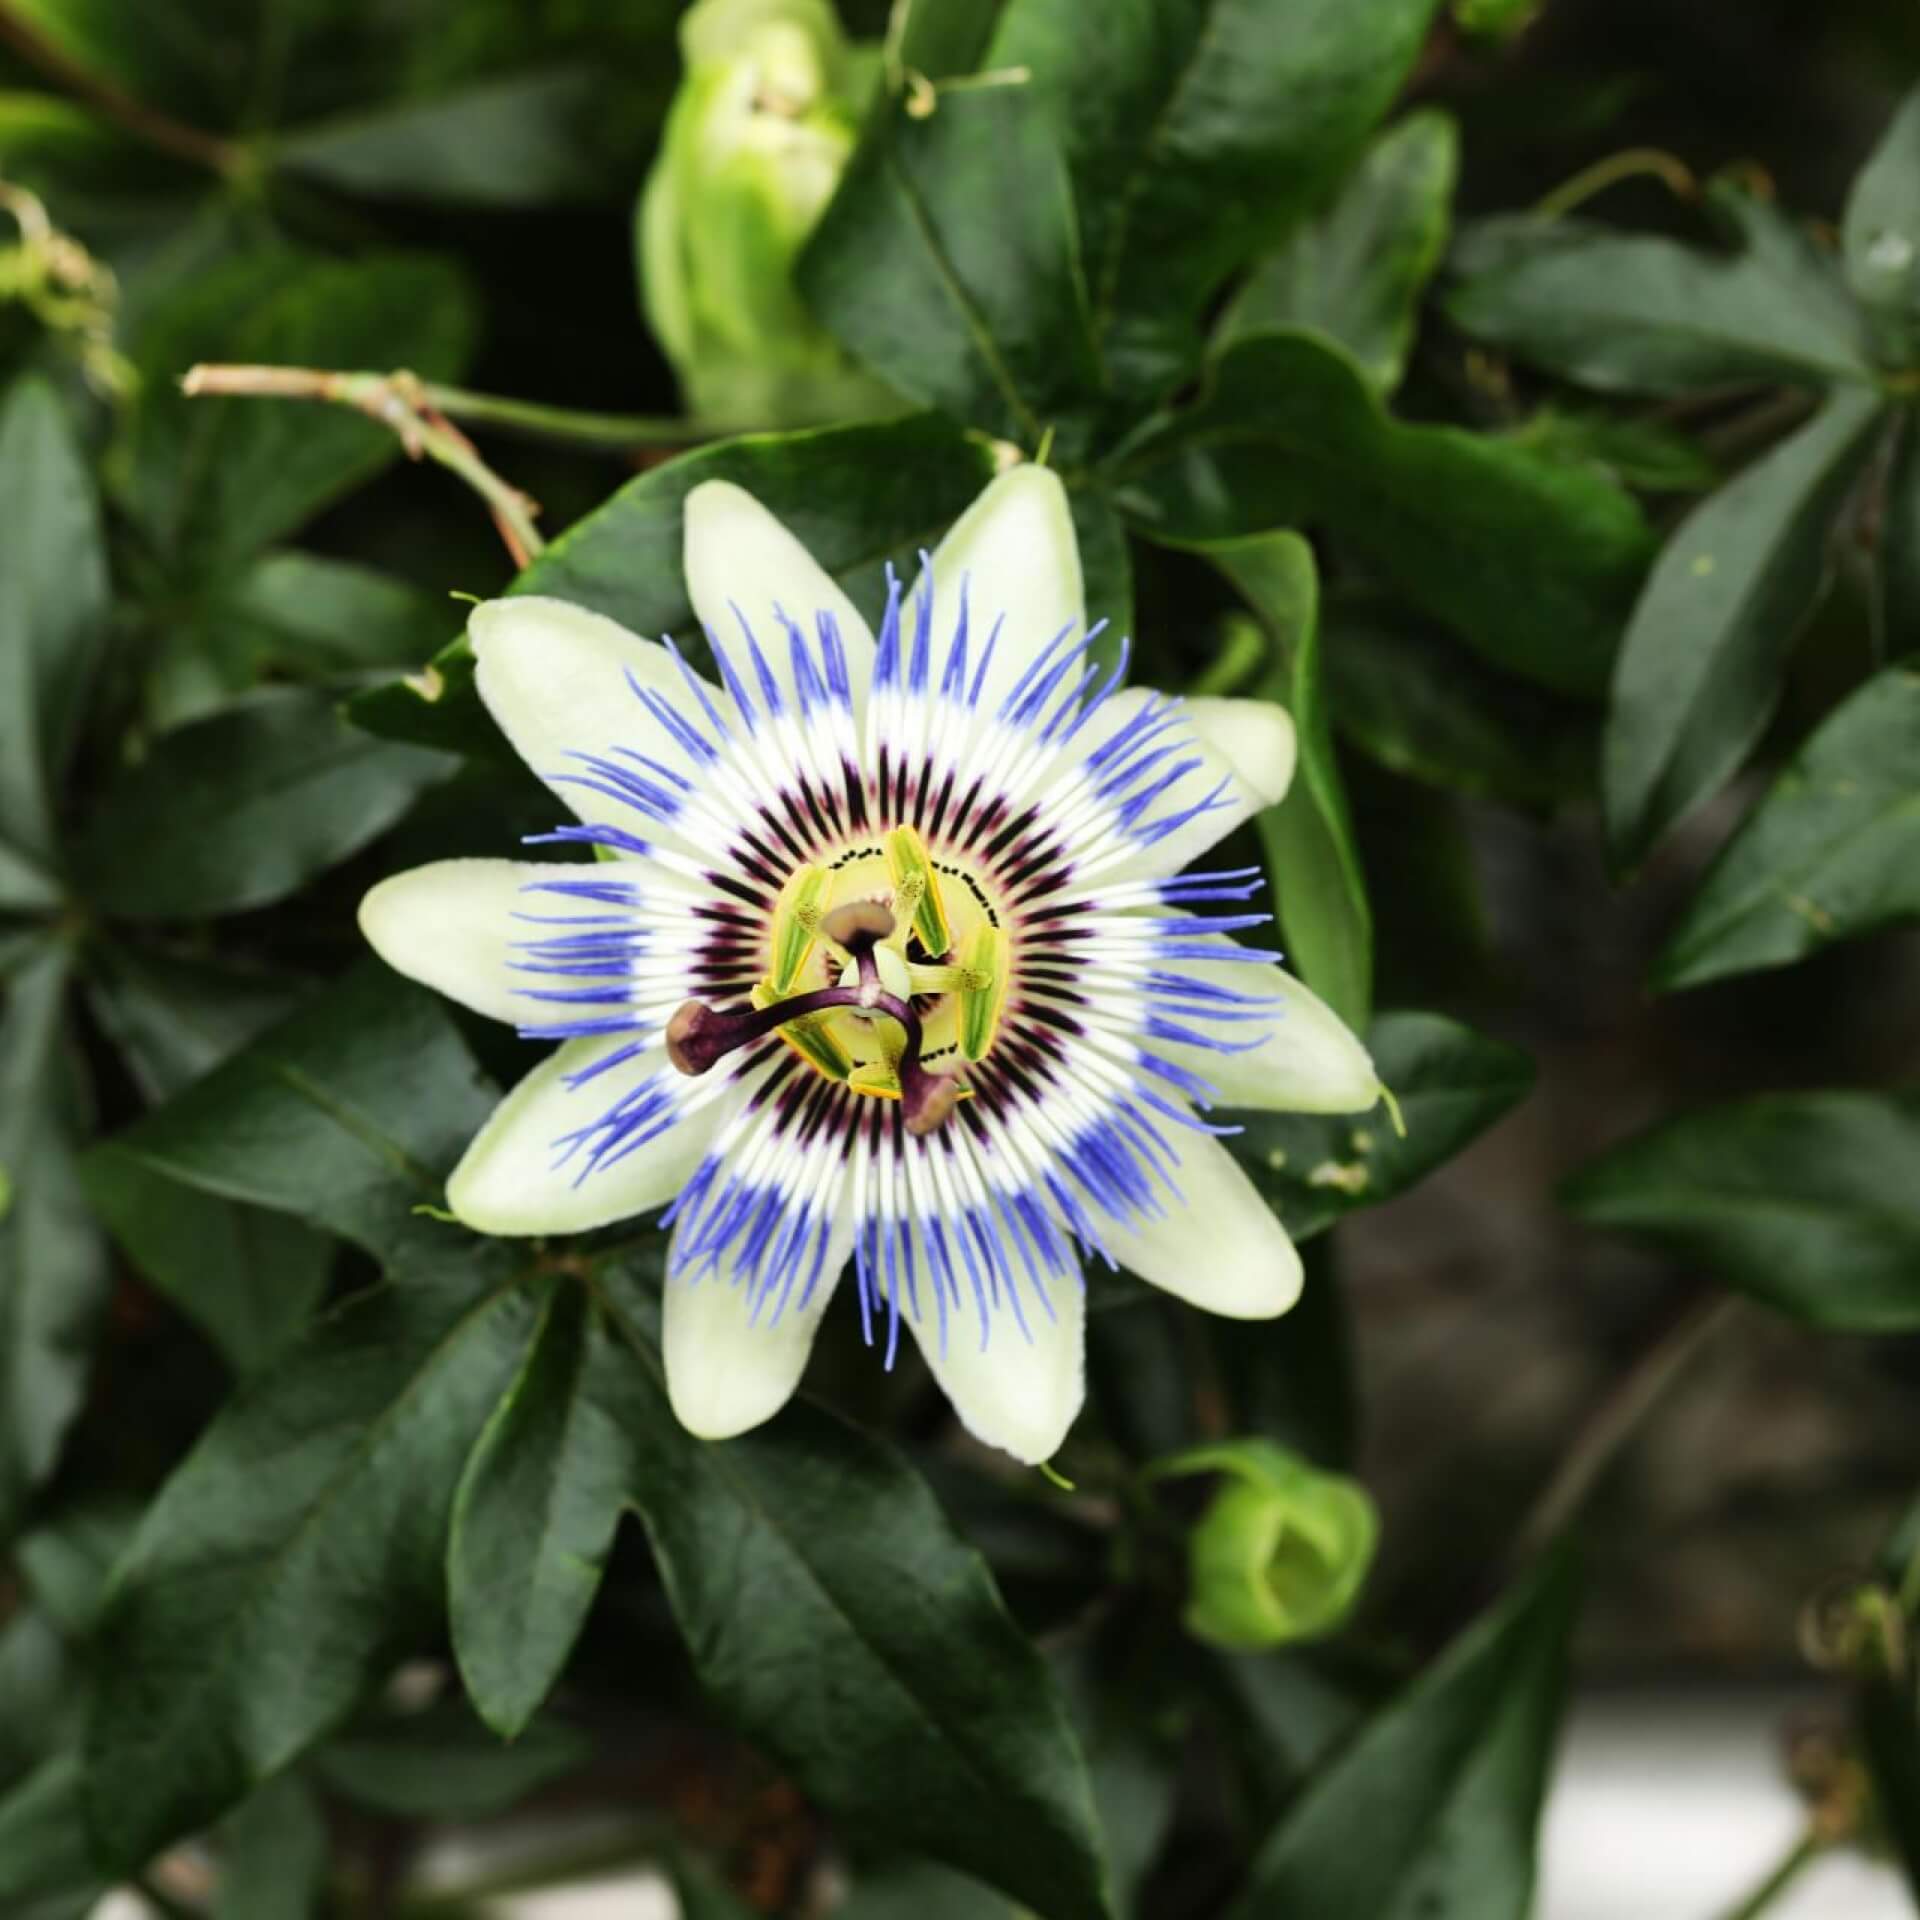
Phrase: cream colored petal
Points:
(1014, 554)
(519, 1176)
(1020, 1392)
(1217, 1245)
(739, 556)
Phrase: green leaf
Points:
(1890, 1745)
(1292, 1379)
(856, 497)
(67, 1558)
(1320, 893)
(35, 1679)
(535, 1517)
(1896, 600)
(314, 1120)
(254, 1609)
(1880, 235)
(984, 319)
(833, 1613)
(244, 807)
(273, 1856)
(1452, 1084)
(1700, 667)
(940, 38)
(1831, 852)
(444, 1765)
(212, 481)
(1432, 1808)
(53, 610)
(311, 617)
(46, 1867)
(1530, 562)
(1196, 133)
(525, 140)
(1806, 1201)
(54, 1275)
(1646, 454)
(1356, 272)
(1637, 314)
(1410, 697)
(1106, 566)
(918, 1890)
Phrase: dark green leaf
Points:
(1881, 234)
(831, 1610)
(1646, 454)
(244, 807)
(255, 1607)
(444, 1765)
(53, 608)
(1107, 568)
(855, 497)
(1700, 667)
(1452, 1084)
(1281, 1716)
(522, 141)
(66, 1560)
(1831, 852)
(34, 1681)
(305, 615)
(1195, 133)
(273, 1856)
(1806, 1201)
(1890, 1744)
(46, 1865)
(918, 1890)
(984, 319)
(1635, 313)
(1432, 1809)
(211, 481)
(535, 1518)
(1413, 699)
(1357, 271)
(1320, 893)
(1531, 562)
(1291, 1380)
(1897, 568)
(313, 1119)
(940, 38)
(54, 1273)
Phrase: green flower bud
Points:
(1281, 1551)
(755, 144)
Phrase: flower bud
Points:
(755, 144)
(1281, 1551)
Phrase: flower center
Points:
(878, 976)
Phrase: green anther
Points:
(812, 1038)
(914, 878)
(875, 1077)
(984, 958)
(796, 925)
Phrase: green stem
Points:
(1630, 165)
(617, 431)
(1243, 652)
(1804, 1851)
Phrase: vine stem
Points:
(1802, 1854)
(409, 407)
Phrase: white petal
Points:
(1218, 1245)
(1255, 739)
(518, 1176)
(1019, 1394)
(451, 926)
(555, 678)
(727, 1371)
(1309, 1062)
(1015, 553)
(739, 555)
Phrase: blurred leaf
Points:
(67, 1559)
(535, 1517)
(983, 318)
(1357, 271)
(1320, 893)
(1292, 1379)
(1432, 1808)
(1413, 699)
(1645, 454)
(54, 1276)
(1890, 1745)
(53, 610)
(918, 1890)
(1280, 1717)
(1107, 568)
(940, 38)
(520, 141)
(311, 617)
(312, 1119)
(1831, 852)
(444, 1765)
(1196, 130)
(1452, 1084)
(274, 1856)
(856, 497)
(254, 1608)
(832, 1612)
(1807, 1201)
(34, 1680)
(46, 1866)
(1880, 234)
(244, 807)
(1897, 558)
(1532, 563)
(1700, 668)
(1638, 314)
(211, 481)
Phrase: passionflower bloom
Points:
(892, 961)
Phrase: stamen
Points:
(985, 960)
(916, 888)
(798, 916)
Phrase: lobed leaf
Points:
(1880, 235)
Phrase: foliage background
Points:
(191, 592)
